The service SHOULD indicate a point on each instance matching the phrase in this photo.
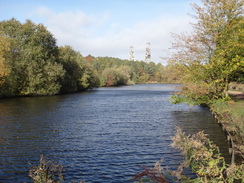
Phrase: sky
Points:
(107, 27)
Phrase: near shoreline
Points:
(230, 116)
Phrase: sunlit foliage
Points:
(32, 60)
(78, 75)
(212, 55)
(4, 48)
(115, 71)
(205, 160)
(32, 64)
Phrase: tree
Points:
(110, 77)
(32, 59)
(4, 47)
(211, 56)
(11, 81)
(78, 75)
(115, 77)
(69, 58)
(89, 78)
(228, 58)
(40, 54)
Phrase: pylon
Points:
(148, 53)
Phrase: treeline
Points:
(31, 64)
(114, 71)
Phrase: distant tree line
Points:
(31, 64)
(114, 71)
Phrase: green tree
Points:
(115, 77)
(211, 56)
(110, 77)
(12, 82)
(69, 58)
(78, 75)
(89, 78)
(136, 71)
(4, 47)
(32, 59)
(228, 59)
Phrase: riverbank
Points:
(230, 116)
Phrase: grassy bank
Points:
(231, 116)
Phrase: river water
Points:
(104, 135)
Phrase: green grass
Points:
(231, 115)
(237, 115)
(236, 108)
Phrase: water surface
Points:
(104, 135)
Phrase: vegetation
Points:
(78, 74)
(205, 159)
(46, 172)
(231, 115)
(114, 71)
(155, 174)
(207, 61)
(31, 60)
(32, 64)
(211, 56)
(210, 59)
(202, 156)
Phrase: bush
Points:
(46, 172)
(205, 159)
(155, 174)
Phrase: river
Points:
(103, 135)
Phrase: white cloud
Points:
(94, 34)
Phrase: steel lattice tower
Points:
(148, 53)
(131, 53)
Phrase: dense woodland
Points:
(32, 64)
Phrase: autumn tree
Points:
(211, 56)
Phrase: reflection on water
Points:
(104, 135)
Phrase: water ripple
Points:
(104, 135)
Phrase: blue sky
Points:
(107, 27)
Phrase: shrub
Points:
(155, 174)
(46, 172)
(205, 159)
